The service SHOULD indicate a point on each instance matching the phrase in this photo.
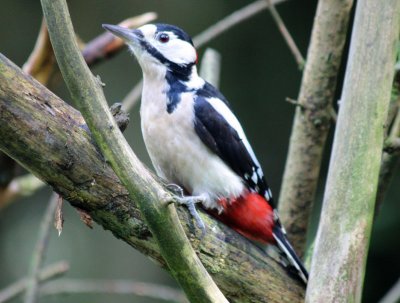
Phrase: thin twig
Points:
(393, 295)
(40, 250)
(206, 36)
(231, 20)
(119, 287)
(210, 68)
(50, 272)
(286, 35)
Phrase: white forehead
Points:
(148, 30)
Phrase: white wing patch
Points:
(225, 112)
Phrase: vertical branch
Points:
(341, 246)
(39, 252)
(210, 68)
(312, 118)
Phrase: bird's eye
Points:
(163, 38)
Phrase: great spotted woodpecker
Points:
(195, 141)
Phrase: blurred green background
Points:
(258, 73)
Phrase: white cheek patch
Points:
(175, 50)
(179, 51)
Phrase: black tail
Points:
(295, 265)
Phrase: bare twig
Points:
(393, 295)
(120, 287)
(231, 20)
(50, 272)
(286, 35)
(40, 250)
(210, 67)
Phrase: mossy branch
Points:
(50, 139)
(341, 246)
(153, 201)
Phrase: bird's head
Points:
(159, 47)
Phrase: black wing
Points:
(229, 143)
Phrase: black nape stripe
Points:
(176, 88)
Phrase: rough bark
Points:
(50, 138)
(312, 118)
(341, 246)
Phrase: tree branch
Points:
(31, 115)
(152, 200)
(312, 118)
(231, 20)
(286, 35)
(341, 246)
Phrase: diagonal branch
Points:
(286, 35)
(153, 201)
(70, 162)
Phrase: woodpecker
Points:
(196, 142)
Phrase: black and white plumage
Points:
(195, 141)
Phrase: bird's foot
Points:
(190, 202)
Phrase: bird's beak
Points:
(123, 33)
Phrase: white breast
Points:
(178, 154)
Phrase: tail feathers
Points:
(295, 265)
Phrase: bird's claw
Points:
(190, 201)
(175, 189)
